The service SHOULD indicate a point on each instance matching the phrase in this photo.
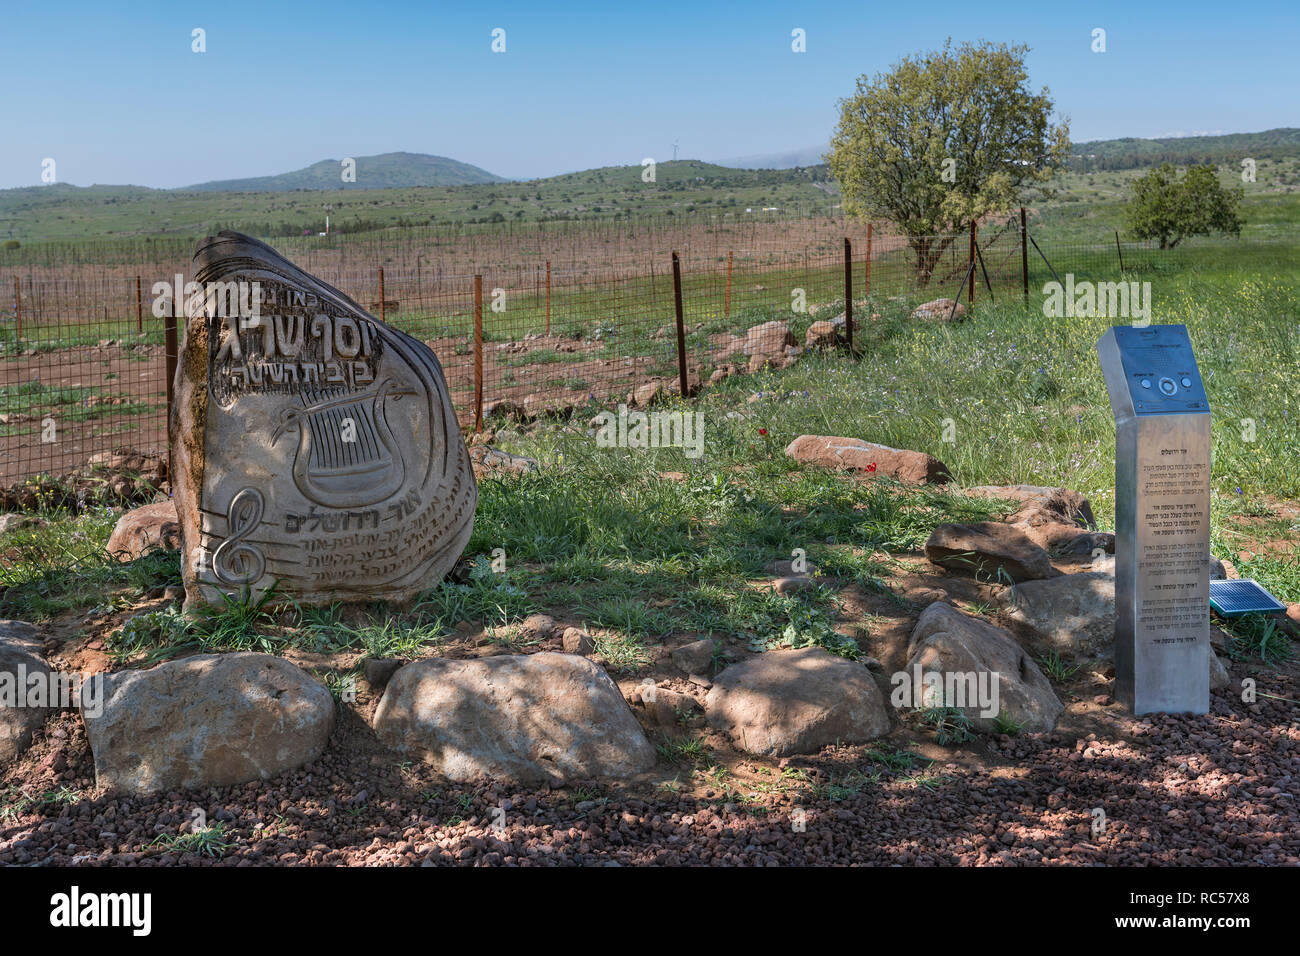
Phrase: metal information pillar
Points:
(1162, 519)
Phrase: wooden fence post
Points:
(139, 307)
(478, 353)
(848, 292)
(1120, 250)
(548, 298)
(18, 309)
(681, 326)
(1024, 252)
(381, 293)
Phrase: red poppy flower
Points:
(762, 431)
(871, 467)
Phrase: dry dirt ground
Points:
(1104, 788)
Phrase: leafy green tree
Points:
(943, 138)
(1170, 209)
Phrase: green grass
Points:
(951, 725)
(1256, 636)
(1057, 667)
(16, 802)
(684, 750)
(210, 841)
(48, 570)
(599, 533)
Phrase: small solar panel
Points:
(1235, 598)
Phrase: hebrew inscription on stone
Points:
(314, 448)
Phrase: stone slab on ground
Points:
(867, 458)
(950, 642)
(148, 528)
(526, 718)
(1072, 614)
(207, 721)
(989, 548)
(786, 702)
(1068, 504)
(20, 658)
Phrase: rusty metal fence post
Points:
(478, 353)
(867, 290)
(726, 307)
(548, 298)
(18, 310)
(381, 293)
(139, 307)
(1024, 253)
(970, 293)
(848, 292)
(681, 326)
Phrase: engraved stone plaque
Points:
(311, 445)
(1162, 518)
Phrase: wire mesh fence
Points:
(521, 330)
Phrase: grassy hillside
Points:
(1099, 179)
(1131, 153)
(64, 212)
(385, 171)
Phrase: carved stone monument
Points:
(311, 445)
(1162, 519)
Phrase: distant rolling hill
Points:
(1230, 149)
(682, 187)
(1107, 154)
(385, 171)
(294, 203)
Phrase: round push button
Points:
(1187, 382)
(1167, 386)
(1146, 383)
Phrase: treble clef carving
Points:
(236, 562)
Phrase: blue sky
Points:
(114, 94)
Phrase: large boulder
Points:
(1058, 520)
(1067, 504)
(213, 720)
(147, 528)
(825, 334)
(770, 338)
(951, 643)
(1074, 613)
(867, 458)
(20, 659)
(989, 548)
(314, 448)
(796, 702)
(526, 719)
